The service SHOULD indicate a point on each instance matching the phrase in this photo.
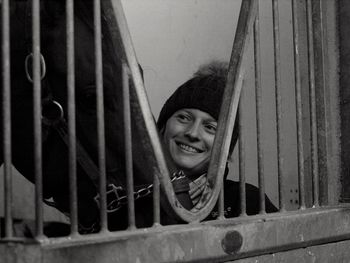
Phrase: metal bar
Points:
(278, 98)
(241, 152)
(71, 118)
(231, 96)
(221, 204)
(37, 118)
(100, 116)
(6, 125)
(323, 101)
(301, 175)
(258, 110)
(314, 144)
(156, 203)
(128, 147)
(122, 41)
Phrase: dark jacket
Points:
(232, 201)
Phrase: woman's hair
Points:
(204, 91)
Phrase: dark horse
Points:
(55, 151)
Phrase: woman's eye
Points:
(210, 128)
(183, 117)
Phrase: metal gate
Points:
(317, 231)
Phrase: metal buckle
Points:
(52, 112)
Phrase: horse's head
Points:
(55, 152)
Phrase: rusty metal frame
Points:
(216, 241)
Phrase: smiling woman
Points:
(188, 122)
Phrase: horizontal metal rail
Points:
(219, 240)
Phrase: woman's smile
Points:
(188, 148)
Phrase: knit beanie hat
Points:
(204, 91)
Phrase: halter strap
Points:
(83, 157)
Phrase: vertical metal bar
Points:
(278, 98)
(100, 115)
(156, 203)
(323, 101)
(37, 118)
(298, 106)
(231, 95)
(128, 147)
(229, 106)
(221, 203)
(6, 125)
(314, 144)
(241, 152)
(71, 117)
(258, 97)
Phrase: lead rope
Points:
(119, 195)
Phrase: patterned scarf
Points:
(199, 192)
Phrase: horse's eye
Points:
(90, 99)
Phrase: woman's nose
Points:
(193, 131)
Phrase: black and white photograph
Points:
(145, 131)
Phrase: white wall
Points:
(23, 197)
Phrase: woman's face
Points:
(189, 135)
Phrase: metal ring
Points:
(42, 66)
